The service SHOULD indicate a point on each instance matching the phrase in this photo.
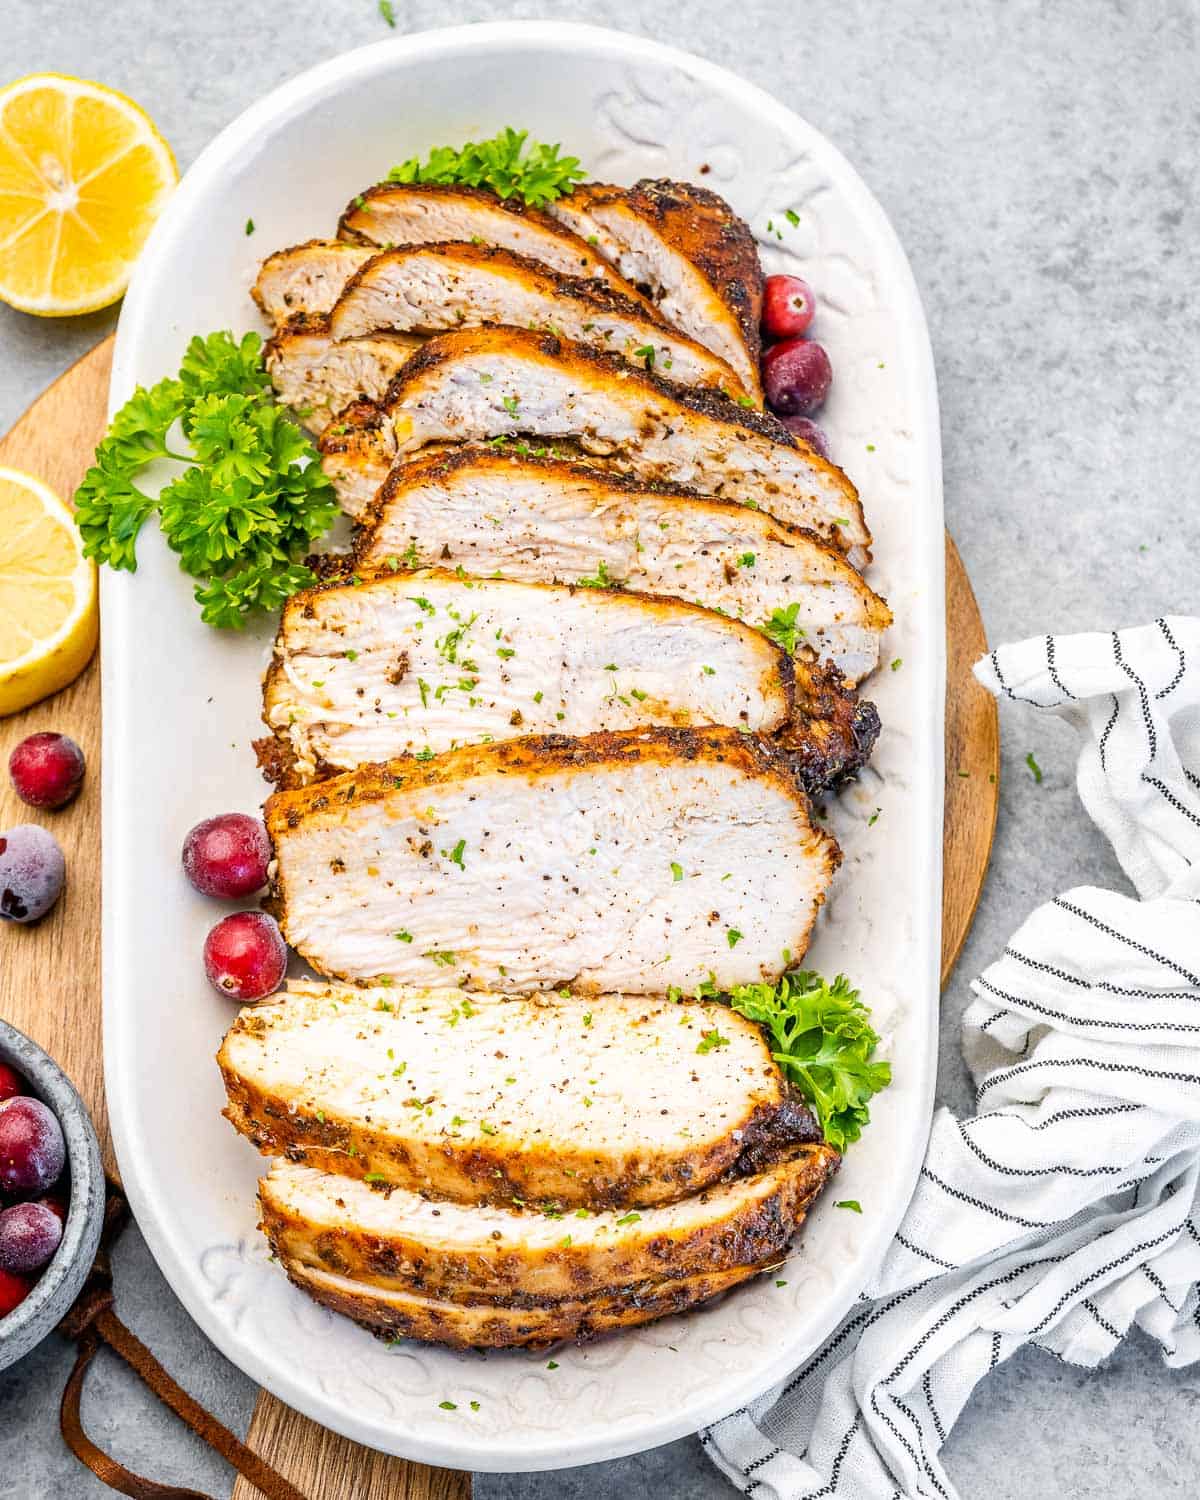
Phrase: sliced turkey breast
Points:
(492, 511)
(435, 288)
(492, 1325)
(572, 1102)
(427, 213)
(614, 862)
(306, 280)
(317, 377)
(539, 1254)
(690, 250)
(403, 664)
(357, 450)
(499, 383)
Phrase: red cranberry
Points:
(13, 1291)
(808, 432)
(46, 770)
(11, 1083)
(227, 856)
(29, 1235)
(32, 1149)
(788, 307)
(796, 377)
(245, 955)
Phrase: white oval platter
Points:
(181, 705)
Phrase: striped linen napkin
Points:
(1065, 1210)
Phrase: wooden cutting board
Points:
(49, 974)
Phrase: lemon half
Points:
(84, 173)
(48, 616)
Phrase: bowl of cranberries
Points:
(51, 1194)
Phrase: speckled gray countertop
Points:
(1040, 164)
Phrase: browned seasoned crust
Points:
(353, 216)
(359, 416)
(596, 297)
(703, 228)
(480, 1174)
(829, 731)
(747, 1229)
(552, 459)
(593, 364)
(517, 206)
(708, 402)
(833, 731)
(318, 242)
(535, 756)
(598, 294)
(488, 1325)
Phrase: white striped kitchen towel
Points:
(1065, 1210)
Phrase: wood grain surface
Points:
(972, 794)
(50, 974)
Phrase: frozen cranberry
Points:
(245, 955)
(227, 856)
(32, 872)
(788, 307)
(808, 432)
(46, 770)
(11, 1083)
(32, 1149)
(29, 1236)
(796, 377)
(13, 1291)
(57, 1205)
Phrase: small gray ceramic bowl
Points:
(59, 1283)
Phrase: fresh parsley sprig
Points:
(822, 1038)
(250, 501)
(537, 175)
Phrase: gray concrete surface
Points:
(1040, 164)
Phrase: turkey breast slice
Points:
(525, 1256)
(317, 377)
(410, 663)
(306, 280)
(580, 1103)
(425, 213)
(507, 383)
(436, 288)
(489, 1325)
(543, 519)
(631, 861)
(688, 247)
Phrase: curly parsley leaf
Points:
(822, 1038)
(248, 505)
(782, 628)
(221, 365)
(536, 175)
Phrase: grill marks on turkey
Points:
(541, 764)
